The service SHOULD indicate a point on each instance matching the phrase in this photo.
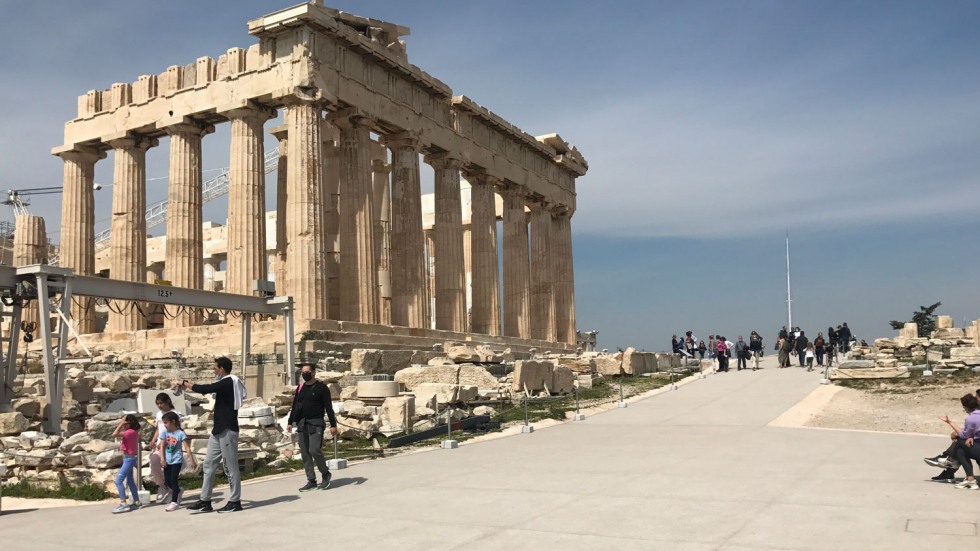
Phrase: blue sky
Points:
(711, 129)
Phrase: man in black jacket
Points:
(229, 391)
(311, 402)
(800, 345)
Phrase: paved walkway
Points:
(697, 468)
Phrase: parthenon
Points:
(348, 220)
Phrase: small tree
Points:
(924, 318)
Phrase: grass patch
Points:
(86, 492)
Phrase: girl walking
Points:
(164, 404)
(127, 429)
(172, 450)
(809, 354)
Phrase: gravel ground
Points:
(894, 407)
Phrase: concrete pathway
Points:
(697, 468)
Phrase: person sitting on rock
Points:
(965, 449)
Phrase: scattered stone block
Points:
(562, 380)
(465, 374)
(444, 393)
(532, 375)
(13, 423)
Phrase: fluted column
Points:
(542, 274)
(485, 312)
(564, 277)
(409, 306)
(517, 293)
(77, 250)
(246, 200)
(127, 245)
(282, 192)
(30, 247)
(330, 172)
(185, 238)
(305, 253)
(450, 277)
(381, 171)
(358, 266)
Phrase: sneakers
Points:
(162, 495)
(231, 507)
(121, 508)
(201, 505)
(967, 485)
(945, 476)
(326, 481)
(310, 485)
(933, 461)
(136, 505)
(172, 507)
(948, 463)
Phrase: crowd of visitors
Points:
(822, 349)
(719, 348)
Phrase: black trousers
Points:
(171, 477)
(741, 361)
(966, 454)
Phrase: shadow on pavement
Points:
(249, 504)
(337, 483)
(16, 511)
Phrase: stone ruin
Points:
(376, 391)
(946, 350)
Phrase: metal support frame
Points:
(51, 281)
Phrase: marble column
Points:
(305, 277)
(246, 200)
(358, 266)
(185, 237)
(409, 306)
(381, 171)
(485, 269)
(517, 293)
(564, 277)
(330, 171)
(30, 247)
(450, 277)
(430, 276)
(77, 251)
(282, 192)
(542, 273)
(127, 245)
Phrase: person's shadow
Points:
(341, 482)
(249, 504)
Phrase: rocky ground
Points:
(894, 406)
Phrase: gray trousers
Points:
(311, 449)
(222, 447)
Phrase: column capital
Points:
(247, 110)
(349, 118)
(189, 126)
(444, 160)
(280, 132)
(482, 177)
(132, 141)
(402, 140)
(81, 153)
(380, 167)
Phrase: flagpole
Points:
(789, 290)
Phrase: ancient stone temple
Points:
(349, 241)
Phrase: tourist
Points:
(690, 343)
(229, 392)
(967, 449)
(819, 345)
(810, 353)
(711, 346)
(800, 346)
(947, 460)
(844, 335)
(741, 354)
(311, 403)
(172, 450)
(164, 405)
(832, 337)
(675, 345)
(755, 344)
(127, 430)
(785, 348)
(721, 350)
(701, 349)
